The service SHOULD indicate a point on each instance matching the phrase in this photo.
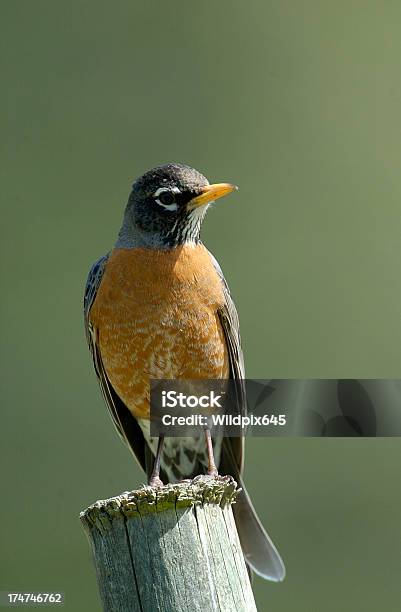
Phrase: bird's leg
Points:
(154, 480)
(211, 465)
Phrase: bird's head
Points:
(167, 205)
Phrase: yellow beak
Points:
(211, 193)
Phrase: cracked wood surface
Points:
(171, 549)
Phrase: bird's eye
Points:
(166, 197)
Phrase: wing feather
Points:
(125, 423)
(233, 448)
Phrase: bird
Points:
(157, 306)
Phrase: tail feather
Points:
(259, 551)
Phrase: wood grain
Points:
(171, 549)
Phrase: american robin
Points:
(158, 307)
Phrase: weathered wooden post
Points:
(172, 549)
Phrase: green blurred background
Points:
(299, 104)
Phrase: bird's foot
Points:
(156, 482)
(213, 472)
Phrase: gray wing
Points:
(259, 550)
(125, 423)
(230, 322)
(233, 448)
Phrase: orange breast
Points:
(155, 315)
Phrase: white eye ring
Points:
(159, 191)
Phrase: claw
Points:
(156, 482)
